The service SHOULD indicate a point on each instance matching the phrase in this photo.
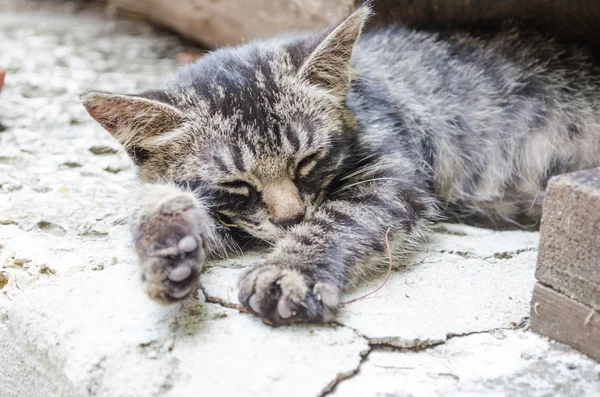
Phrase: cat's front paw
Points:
(282, 295)
(171, 251)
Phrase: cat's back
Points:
(494, 115)
(463, 64)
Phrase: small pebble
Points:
(21, 261)
(101, 150)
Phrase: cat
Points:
(318, 143)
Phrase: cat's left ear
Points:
(139, 122)
(328, 66)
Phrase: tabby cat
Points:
(318, 143)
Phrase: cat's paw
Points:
(281, 296)
(171, 251)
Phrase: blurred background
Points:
(213, 23)
(224, 22)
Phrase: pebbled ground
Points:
(74, 321)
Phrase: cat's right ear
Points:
(136, 121)
(328, 66)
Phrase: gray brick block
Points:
(569, 252)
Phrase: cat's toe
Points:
(283, 296)
(180, 273)
(254, 304)
(187, 244)
(329, 297)
(284, 309)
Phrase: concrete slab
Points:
(444, 294)
(506, 363)
(105, 338)
(436, 295)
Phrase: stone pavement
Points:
(74, 321)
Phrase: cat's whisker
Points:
(360, 171)
(346, 187)
(268, 242)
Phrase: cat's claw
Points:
(282, 296)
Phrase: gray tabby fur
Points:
(318, 143)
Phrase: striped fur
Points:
(318, 143)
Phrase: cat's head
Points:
(260, 129)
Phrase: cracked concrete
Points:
(485, 292)
(131, 346)
(74, 320)
(477, 364)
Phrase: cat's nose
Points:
(288, 222)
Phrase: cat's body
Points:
(319, 150)
(491, 119)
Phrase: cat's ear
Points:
(138, 122)
(328, 65)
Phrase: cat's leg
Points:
(304, 277)
(172, 232)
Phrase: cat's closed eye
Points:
(307, 164)
(237, 187)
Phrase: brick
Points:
(569, 252)
(565, 320)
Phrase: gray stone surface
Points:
(73, 318)
(476, 281)
(569, 249)
(105, 338)
(503, 363)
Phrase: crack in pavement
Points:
(222, 303)
(523, 325)
(377, 345)
(330, 388)
(339, 377)
(505, 255)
